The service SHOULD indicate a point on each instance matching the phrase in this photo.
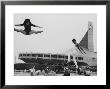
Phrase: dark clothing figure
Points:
(78, 46)
(27, 25)
(66, 73)
(32, 74)
(79, 71)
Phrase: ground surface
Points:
(28, 74)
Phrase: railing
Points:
(44, 56)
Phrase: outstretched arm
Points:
(19, 25)
(36, 26)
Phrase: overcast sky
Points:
(58, 32)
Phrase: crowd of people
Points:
(47, 72)
(56, 71)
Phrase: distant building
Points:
(87, 40)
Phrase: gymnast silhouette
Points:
(27, 25)
(78, 46)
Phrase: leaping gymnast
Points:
(27, 28)
(78, 46)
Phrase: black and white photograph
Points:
(50, 43)
(55, 44)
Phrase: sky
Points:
(58, 32)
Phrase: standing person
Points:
(47, 70)
(32, 70)
(27, 25)
(66, 73)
